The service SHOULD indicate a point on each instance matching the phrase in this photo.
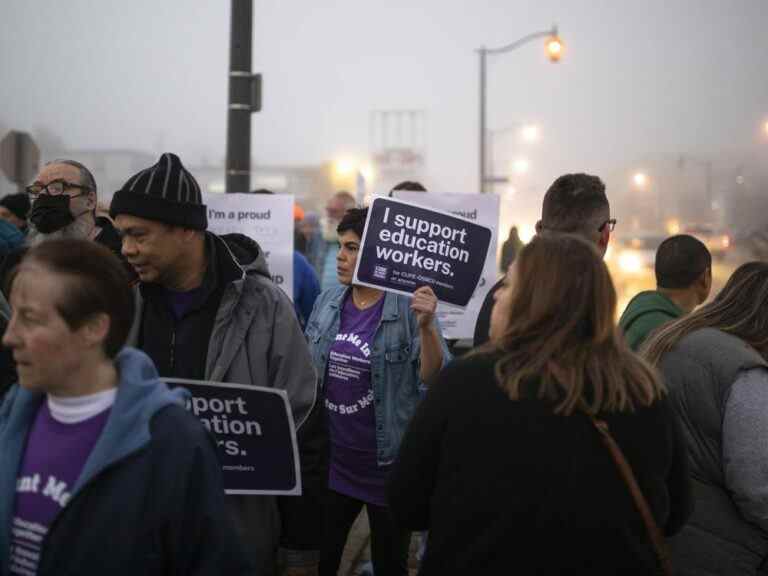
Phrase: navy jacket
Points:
(149, 500)
(10, 237)
(306, 287)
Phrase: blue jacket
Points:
(11, 237)
(149, 499)
(306, 287)
(395, 362)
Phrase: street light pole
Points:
(238, 163)
(527, 131)
(554, 49)
(483, 132)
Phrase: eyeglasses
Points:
(611, 224)
(55, 188)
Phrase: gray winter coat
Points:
(719, 387)
(257, 340)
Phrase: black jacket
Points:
(149, 501)
(179, 346)
(508, 485)
(483, 323)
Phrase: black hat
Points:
(165, 192)
(17, 204)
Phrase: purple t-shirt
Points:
(181, 302)
(54, 457)
(354, 470)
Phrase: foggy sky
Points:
(637, 78)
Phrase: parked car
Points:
(635, 254)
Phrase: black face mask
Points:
(51, 213)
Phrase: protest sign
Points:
(406, 246)
(483, 209)
(253, 427)
(266, 218)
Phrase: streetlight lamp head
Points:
(344, 167)
(640, 179)
(530, 133)
(554, 48)
(520, 166)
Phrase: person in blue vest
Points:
(102, 469)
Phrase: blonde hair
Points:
(560, 342)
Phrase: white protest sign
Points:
(484, 210)
(266, 218)
(254, 430)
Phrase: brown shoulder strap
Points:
(657, 538)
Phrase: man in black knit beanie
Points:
(205, 315)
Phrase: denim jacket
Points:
(397, 388)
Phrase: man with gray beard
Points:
(63, 197)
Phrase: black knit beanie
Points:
(165, 192)
(17, 204)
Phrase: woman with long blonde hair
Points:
(714, 364)
(502, 461)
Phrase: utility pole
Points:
(483, 136)
(238, 164)
(554, 47)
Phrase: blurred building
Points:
(398, 143)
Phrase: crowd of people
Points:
(562, 443)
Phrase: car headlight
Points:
(630, 262)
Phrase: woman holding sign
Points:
(373, 352)
(509, 461)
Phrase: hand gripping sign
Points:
(406, 246)
(254, 430)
